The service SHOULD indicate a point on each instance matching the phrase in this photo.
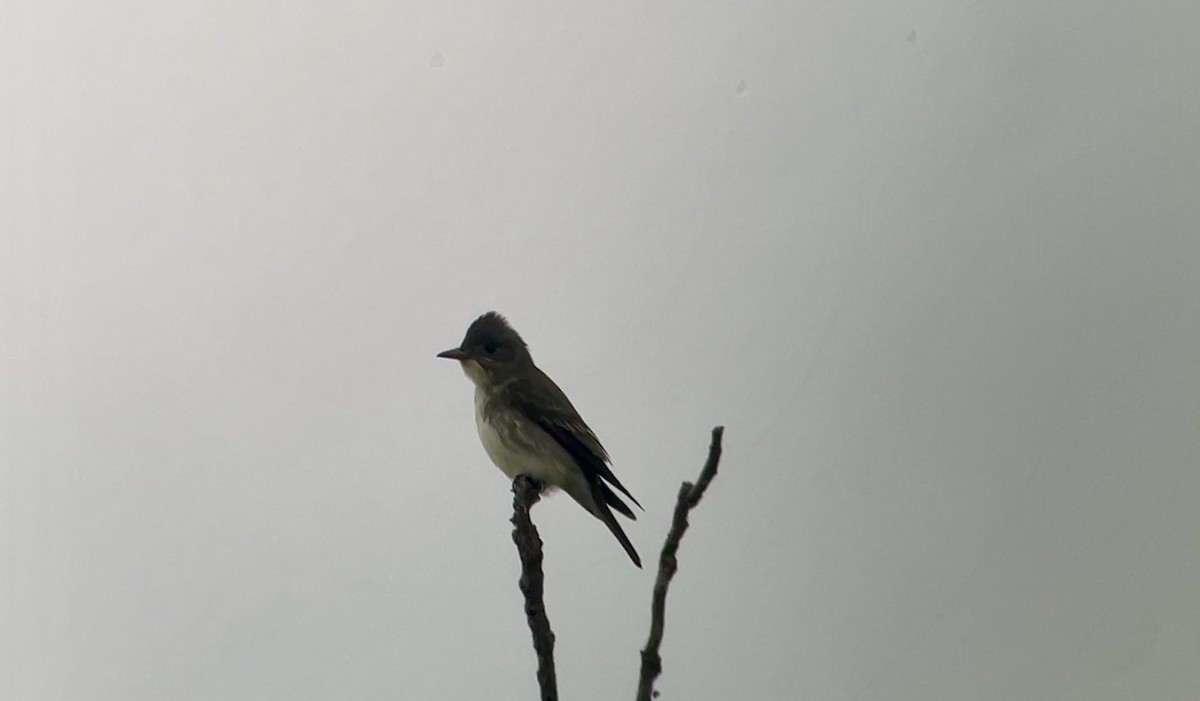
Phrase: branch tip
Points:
(668, 562)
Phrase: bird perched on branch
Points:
(528, 426)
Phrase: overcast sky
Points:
(934, 264)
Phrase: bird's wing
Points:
(553, 412)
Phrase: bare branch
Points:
(529, 545)
(689, 496)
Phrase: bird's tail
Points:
(605, 514)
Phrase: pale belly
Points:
(531, 452)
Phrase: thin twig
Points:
(529, 546)
(689, 496)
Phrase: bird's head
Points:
(491, 352)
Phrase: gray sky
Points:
(934, 264)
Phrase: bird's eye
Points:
(490, 348)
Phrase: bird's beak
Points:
(454, 354)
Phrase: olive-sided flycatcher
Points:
(528, 426)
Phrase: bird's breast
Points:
(517, 446)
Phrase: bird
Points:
(528, 426)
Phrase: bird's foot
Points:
(527, 489)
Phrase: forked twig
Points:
(689, 496)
